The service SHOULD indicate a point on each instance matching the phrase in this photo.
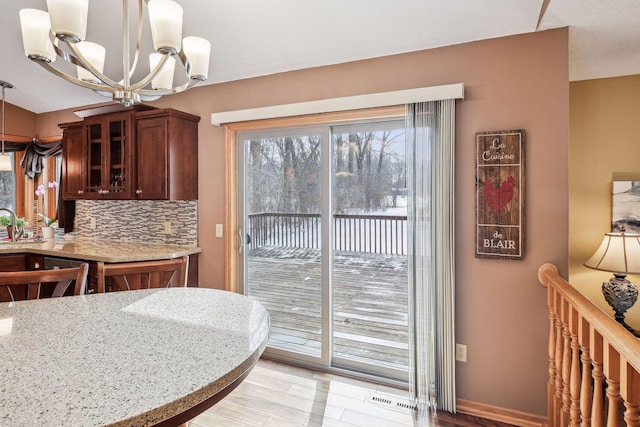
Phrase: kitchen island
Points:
(64, 252)
(137, 358)
(98, 250)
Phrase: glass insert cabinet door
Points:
(109, 148)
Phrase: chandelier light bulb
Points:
(69, 19)
(36, 27)
(94, 53)
(165, 17)
(197, 51)
(164, 79)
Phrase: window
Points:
(8, 187)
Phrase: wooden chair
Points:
(142, 275)
(33, 284)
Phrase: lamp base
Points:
(620, 294)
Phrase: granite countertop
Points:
(123, 358)
(99, 250)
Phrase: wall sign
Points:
(500, 194)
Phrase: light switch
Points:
(218, 230)
(167, 227)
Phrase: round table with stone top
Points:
(135, 358)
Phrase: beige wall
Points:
(19, 121)
(605, 139)
(517, 82)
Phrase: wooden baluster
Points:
(574, 383)
(630, 391)
(558, 387)
(586, 393)
(553, 320)
(597, 409)
(612, 375)
(566, 364)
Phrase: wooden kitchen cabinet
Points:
(136, 154)
(74, 168)
(109, 145)
(166, 155)
(13, 262)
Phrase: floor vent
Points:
(391, 402)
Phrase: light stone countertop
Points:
(131, 358)
(99, 250)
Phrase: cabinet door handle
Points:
(138, 192)
(80, 192)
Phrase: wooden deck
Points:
(370, 318)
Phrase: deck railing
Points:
(593, 361)
(381, 234)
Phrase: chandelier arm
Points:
(177, 89)
(72, 79)
(185, 62)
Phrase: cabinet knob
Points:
(80, 192)
(36, 265)
(138, 191)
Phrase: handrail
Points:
(383, 234)
(624, 342)
(594, 361)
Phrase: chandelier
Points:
(65, 24)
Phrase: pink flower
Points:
(40, 190)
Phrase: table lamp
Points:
(618, 253)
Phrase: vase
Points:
(47, 232)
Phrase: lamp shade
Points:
(618, 253)
(165, 17)
(5, 162)
(164, 79)
(36, 26)
(69, 18)
(94, 53)
(197, 50)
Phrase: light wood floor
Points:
(279, 395)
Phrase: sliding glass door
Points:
(282, 256)
(323, 221)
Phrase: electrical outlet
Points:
(218, 230)
(167, 227)
(92, 225)
(461, 353)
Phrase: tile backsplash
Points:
(145, 221)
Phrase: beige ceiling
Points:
(260, 37)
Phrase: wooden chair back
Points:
(142, 275)
(21, 285)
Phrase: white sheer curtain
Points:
(431, 173)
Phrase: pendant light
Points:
(5, 159)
